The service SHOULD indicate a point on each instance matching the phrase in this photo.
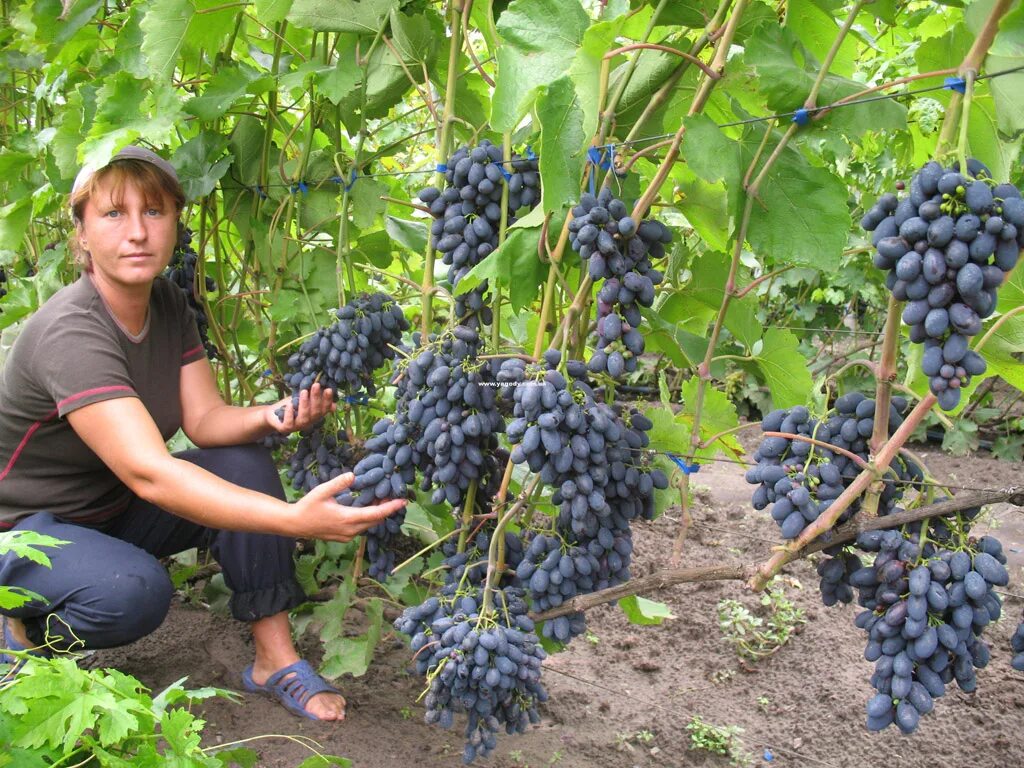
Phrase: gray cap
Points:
(130, 152)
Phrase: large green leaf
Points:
(220, 93)
(817, 28)
(707, 287)
(640, 610)
(164, 28)
(272, 11)
(1006, 53)
(125, 112)
(562, 145)
(362, 16)
(801, 215)
(201, 163)
(540, 42)
(784, 369)
(786, 72)
(718, 414)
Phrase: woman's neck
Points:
(128, 304)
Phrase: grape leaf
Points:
(272, 11)
(201, 163)
(562, 144)
(540, 41)
(362, 16)
(640, 610)
(784, 369)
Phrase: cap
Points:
(130, 152)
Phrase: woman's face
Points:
(129, 241)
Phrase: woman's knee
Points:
(249, 466)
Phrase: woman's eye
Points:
(112, 214)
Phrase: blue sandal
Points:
(293, 692)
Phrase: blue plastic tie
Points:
(300, 187)
(335, 179)
(441, 168)
(957, 84)
(802, 117)
(357, 399)
(530, 154)
(504, 171)
(768, 756)
(599, 158)
(351, 179)
(688, 469)
(260, 192)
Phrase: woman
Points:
(98, 380)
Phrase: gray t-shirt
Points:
(72, 353)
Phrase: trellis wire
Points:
(950, 84)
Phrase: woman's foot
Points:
(275, 652)
(322, 706)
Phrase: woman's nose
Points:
(136, 226)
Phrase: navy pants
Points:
(107, 587)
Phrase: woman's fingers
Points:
(333, 487)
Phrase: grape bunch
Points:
(470, 565)
(947, 247)
(619, 251)
(182, 272)
(595, 461)
(467, 215)
(484, 663)
(319, 456)
(801, 480)
(3, 283)
(444, 429)
(1017, 645)
(343, 356)
(925, 609)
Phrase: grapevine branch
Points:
(845, 534)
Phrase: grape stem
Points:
(852, 492)
(846, 533)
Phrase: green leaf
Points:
(817, 29)
(418, 36)
(125, 112)
(786, 72)
(984, 140)
(180, 729)
(710, 153)
(408, 233)
(164, 28)
(707, 287)
(201, 163)
(13, 163)
(718, 414)
(801, 216)
(962, 439)
(562, 144)
(540, 42)
(361, 16)
(24, 544)
(319, 761)
(366, 202)
(640, 610)
(14, 221)
(272, 11)
(669, 433)
(784, 369)
(1007, 52)
(221, 92)
(15, 597)
(352, 655)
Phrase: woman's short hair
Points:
(156, 185)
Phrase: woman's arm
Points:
(122, 433)
(209, 422)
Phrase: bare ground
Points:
(624, 697)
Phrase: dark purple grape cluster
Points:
(484, 663)
(947, 247)
(620, 251)
(470, 565)
(343, 356)
(1017, 646)
(467, 215)
(319, 456)
(594, 458)
(182, 272)
(801, 480)
(444, 430)
(925, 609)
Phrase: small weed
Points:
(754, 637)
(406, 713)
(720, 676)
(763, 703)
(718, 740)
(516, 756)
(644, 736)
(592, 638)
(556, 757)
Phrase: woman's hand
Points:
(319, 516)
(314, 404)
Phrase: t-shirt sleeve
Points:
(192, 342)
(80, 364)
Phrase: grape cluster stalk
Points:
(947, 247)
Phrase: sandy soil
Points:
(623, 697)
